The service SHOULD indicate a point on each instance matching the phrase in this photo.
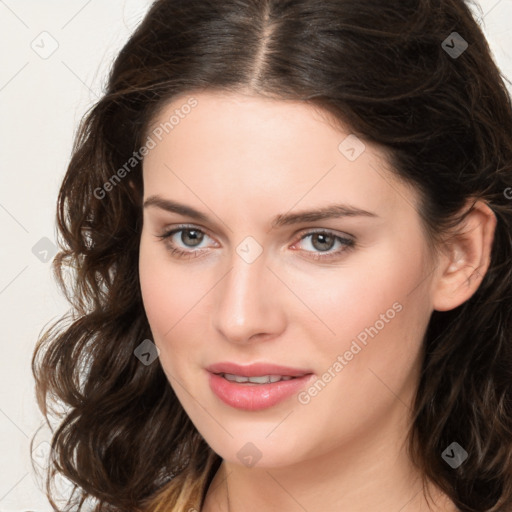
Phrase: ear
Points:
(465, 258)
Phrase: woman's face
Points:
(344, 298)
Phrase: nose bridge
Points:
(247, 303)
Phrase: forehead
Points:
(253, 151)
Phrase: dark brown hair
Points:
(385, 69)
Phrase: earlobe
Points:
(466, 258)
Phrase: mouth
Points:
(269, 371)
(256, 387)
(263, 379)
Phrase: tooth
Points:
(263, 379)
(235, 378)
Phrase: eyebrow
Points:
(333, 211)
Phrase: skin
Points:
(241, 160)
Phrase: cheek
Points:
(379, 312)
(371, 292)
(176, 302)
(168, 292)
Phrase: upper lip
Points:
(257, 369)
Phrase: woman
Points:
(289, 232)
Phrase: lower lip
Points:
(254, 397)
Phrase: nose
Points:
(249, 303)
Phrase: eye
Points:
(187, 245)
(191, 237)
(323, 241)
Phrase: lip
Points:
(255, 397)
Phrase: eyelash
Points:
(348, 243)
